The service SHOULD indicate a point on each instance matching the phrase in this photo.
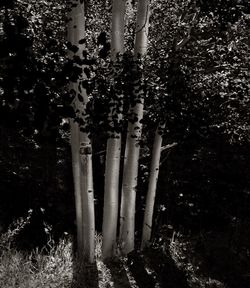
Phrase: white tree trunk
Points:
(113, 154)
(75, 146)
(88, 213)
(81, 144)
(132, 150)
(153, 179)
(111, 197)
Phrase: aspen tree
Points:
(153, 178)
(80, 141)
(132, 150)
(156, 155)
(113, 154)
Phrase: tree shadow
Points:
(167, 273)
(118, 273)
(85, 275)
(138, 270)
(223, 255)
(149, 270)
(223, 264)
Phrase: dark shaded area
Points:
(207, 186)
(168, 274)
(212, 258)
(224, 256)
(36, 177)
(118, 273)
(137, 268)
(206, 198)
(85, 275)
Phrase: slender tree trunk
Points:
(80, 141)
(113, 154)
(132, 150)
(88, 211)
(75, 147)
(153, 178)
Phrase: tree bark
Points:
(80, 140)
(153, 179)
(113, 154)
(75, 147)
(132, 150)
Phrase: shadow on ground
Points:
(149, 270)
(118, 273)
(167, 274)
(84, 275)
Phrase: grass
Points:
(50, 267)
(53, 266)
(104, 275)
(36, 269)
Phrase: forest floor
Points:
(181, 265)
(204, 261)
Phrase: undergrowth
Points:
(179, 251)
(50, 267)
(53, 266)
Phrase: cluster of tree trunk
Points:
(81, 142)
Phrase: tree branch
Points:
(163, 148)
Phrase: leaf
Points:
(80, 97)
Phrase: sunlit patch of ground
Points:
(105, 279)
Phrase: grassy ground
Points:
(36, 269)
(53, 266)
(178, 265)
(49, 267)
